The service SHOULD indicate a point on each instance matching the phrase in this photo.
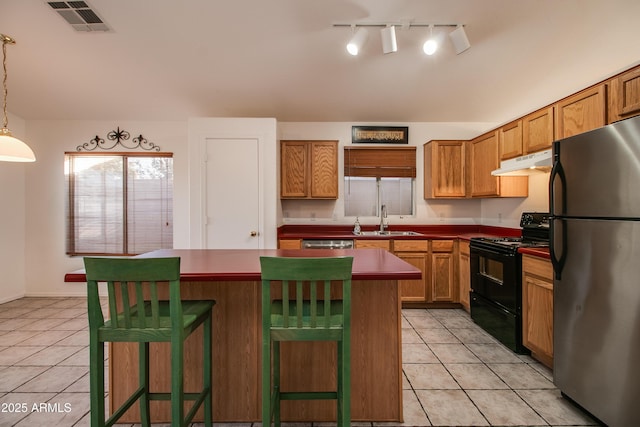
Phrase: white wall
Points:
(46, 262)
(12, 220)
(500, 212)
(506, 212)
(32, 250)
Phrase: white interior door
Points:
(233, 195)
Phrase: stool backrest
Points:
(296, 274)
(126, 279)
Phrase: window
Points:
(364, 196)
(119, 204)
(375, 176)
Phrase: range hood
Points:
(525, 165)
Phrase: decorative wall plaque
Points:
(380, 134)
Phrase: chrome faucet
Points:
(383, 215)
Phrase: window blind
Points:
(380, 162)
(119, 204)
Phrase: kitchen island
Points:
(232, 278)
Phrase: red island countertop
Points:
(200, 265)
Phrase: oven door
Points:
(496, 277)
(502, 324)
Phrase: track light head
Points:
(388, 36)
(357, 41)
(431, 45)
(459, 39)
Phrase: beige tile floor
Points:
(454, 373)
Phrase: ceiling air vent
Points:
(79, 15)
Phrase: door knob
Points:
(254, 233)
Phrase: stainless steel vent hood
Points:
(525, 165)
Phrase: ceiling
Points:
(169, 60)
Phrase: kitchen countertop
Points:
(539, 252)
(244, 264)
(465, 232)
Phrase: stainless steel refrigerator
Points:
(595, 251)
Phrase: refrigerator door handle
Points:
(557, 261)
(557, 173)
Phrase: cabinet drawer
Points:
(442, 246)
(539, 267)
(411, 245)
(364, 244)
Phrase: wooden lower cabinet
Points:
(464, 274)
(416, 253)
(537, 308)
(443, 278)
(436, 260)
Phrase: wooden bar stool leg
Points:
(177, 382)
(208, 360)
(143, 374)
(96, 379)
(276, 383)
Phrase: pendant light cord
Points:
(5, 40)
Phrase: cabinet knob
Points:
(254, 233)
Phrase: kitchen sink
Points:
(388, 233)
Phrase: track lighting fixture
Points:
(431, 45)
(357, 41)
(388, 36)
(459, 39)
(11, 148)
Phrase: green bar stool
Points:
(305, 313)
(144, 319)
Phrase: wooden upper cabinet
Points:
(324, 169)
(510, 140)
(538, 132)
(309, 169)
(483, 159)
(624, 95)
(582, 112)
(445, 169)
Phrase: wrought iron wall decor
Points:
(119, 137)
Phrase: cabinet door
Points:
(511, 140)
(538, 130)
(324, 169)
(442, 272)
(484, 159)
(625, 95)
(293, 169)
(537, 308)
(581, 112)
(464, 271)
(444, 169)
(414, 290)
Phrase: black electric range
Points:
(496, 279)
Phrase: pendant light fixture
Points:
(11, 149)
